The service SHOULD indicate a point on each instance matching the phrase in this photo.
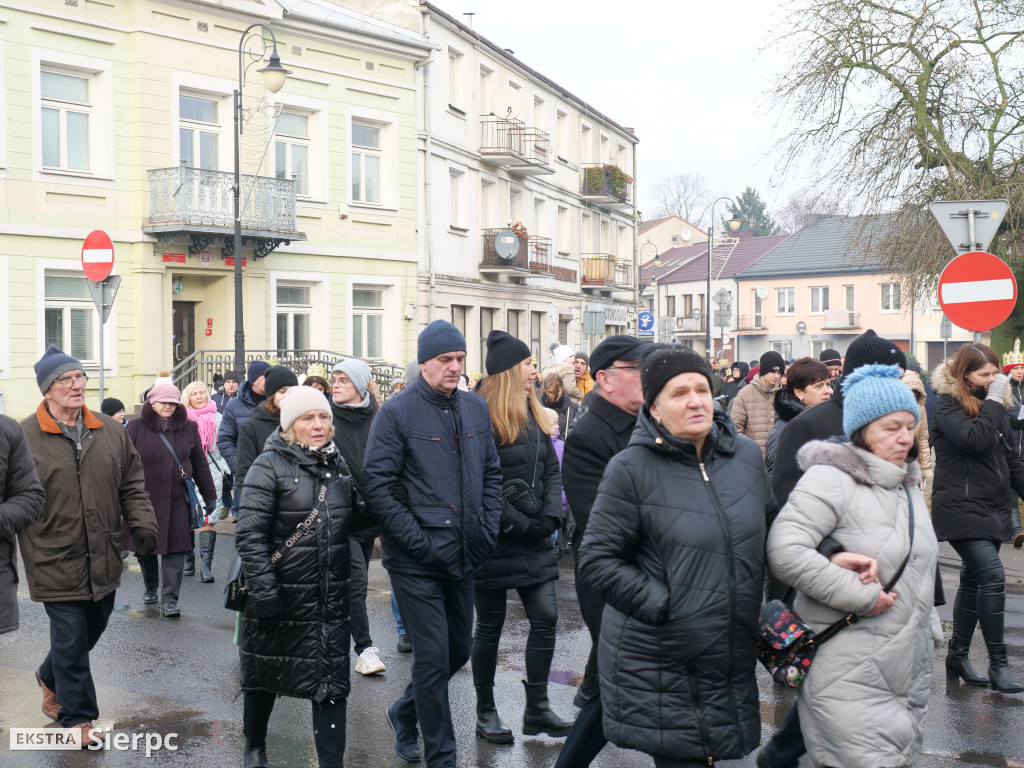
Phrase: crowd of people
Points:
(686, 496)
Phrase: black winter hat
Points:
(504, 351)
(771, 361)
(618, 347)
(666, 363)
(232, 376)
(830, 357)
(111, 405)
(276, 377)
(869, 347)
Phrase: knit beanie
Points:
(163, 392)
(300, 400)
(754, 370)
(771, 361)
(256, 369)
(437, 338)
(504, 351)
(664, 364)
(111, 405)
(871, 391)
(561, 353)
(869, 347)
(276, 377)
(412, 372)
(830, 357)
(232, 376)
(52, 365)
(357, 371)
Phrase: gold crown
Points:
(1014, 358)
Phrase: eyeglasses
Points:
(66, 382)
(339, 382)
(632, 368)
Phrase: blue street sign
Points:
(645, 319)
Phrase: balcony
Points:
(606, 185)
(511, 144)
(686, 324)
(196, 206)
(539, 255)
(750, 324)
(840, 320)
(604, 272)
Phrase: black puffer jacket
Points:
(351, 433)
(821, 422)
(251, 439)
(305, 654)
(974, 466)
(787, 408)
(524, 555)
(679, 557)
(566, 409)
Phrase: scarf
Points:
(206, 419)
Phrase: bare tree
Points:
(794, 212)
(684, 194)
(903, 102)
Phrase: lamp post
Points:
(734, 224)
(273, 78)
(649, 248)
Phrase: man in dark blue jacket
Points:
(432, 477)
(237, 412)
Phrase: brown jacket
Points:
(73, 551)
(753, 411)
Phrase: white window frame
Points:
(539, 225)
(109, 329)
(290, 142)
(791, 291)
(101, 117)
(488, 201)
(887, 306)
(561, 134)
(387, 122)
(823, 300)
(210, 88)
(392, 300)
(319, 125)
(564, 245)
(849, 296)
(486, 76)
(586, 142)
(289, 312)
(540, 113)
(457, 218)
(217, 129)
(456, 80)
(319, 295)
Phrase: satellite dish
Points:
(695, 314)
(685, 235)
(762, 292)
(506, 102)
(506, 245)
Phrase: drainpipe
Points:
(636, 255)
(427, 208)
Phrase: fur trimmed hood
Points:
(861, 465)
(944, 384)
(173, 423)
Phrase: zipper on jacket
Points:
(76, 450)
(967, 479)
(698, 707)
(731, 557)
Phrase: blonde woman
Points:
(203, 411)
(523, 559)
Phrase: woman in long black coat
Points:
(162, 413)
(295, 625)
(523, 559)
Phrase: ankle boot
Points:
(255, 755)
(489, 725)
(207, 542)
(190, 563)
(538, 717)
(999, 671)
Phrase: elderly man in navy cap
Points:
(432, 477)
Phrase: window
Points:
(890, 297)
(758, 311)
(70, 316)
(459, 314)
(561, 134)
(366, 163)
(564, 323)
(291, 150)
(622, 157)
(368, 322)
(539, 224)
(817, 347)
(486, 326)
(585, 143)
(787, 297)
(687, 305)
(536, 329)
(198, 131)
(564, 245)
(65, 118)
(784, 348)
(515, 320)
(604, 154)
(848, 290)
(515, 205)
(455, 59)
(486, 75)
(294, 316)
(539, 113)
(587, 233)
(819, 299)
(455, 180)
(487, 198)
(670, 306)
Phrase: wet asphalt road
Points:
(180, 676)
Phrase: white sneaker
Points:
(369, 662)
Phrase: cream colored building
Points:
(667, 233)
(119, 117)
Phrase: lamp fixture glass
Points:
(274, 74)
(734, 223)
(654, 282)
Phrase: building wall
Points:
(669, 234)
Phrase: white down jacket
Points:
(863, 702)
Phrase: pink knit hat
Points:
(164, 392)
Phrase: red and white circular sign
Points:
(97, 256)
(977, 291)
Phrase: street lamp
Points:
(273, 78)
(734, 224)
(645, 251)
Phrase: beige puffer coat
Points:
(568, 376)
(863, 702)
(753, 411)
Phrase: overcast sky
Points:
(690, 78)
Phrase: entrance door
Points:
(184, 325)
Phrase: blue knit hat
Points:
(437, 338)
(872, 391)
(256, 369)
(53, 364)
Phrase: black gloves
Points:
(145, 541)
(541, 528)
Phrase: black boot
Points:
(999, 671)
(991, 619)
(489, 725)
(207, 543)
(965, 619)
(538, 717)
(255, 755)
(190, 562)
(256, 709)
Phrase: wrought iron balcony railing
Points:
(840, 319)
(602, 269)
(512, 143)
(606, 184)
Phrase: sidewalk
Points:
(1013, 564)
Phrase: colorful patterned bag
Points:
(787, 645)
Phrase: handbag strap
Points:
(304, 527)
(171, 449)
(536, 459)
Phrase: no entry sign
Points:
(977, 291)
(97, 256)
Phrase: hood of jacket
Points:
(744, 370)
(944, 384)
(863, 466)
(354, 415)
(648, 433)
(173, 423)
(262, 414)
(246, 394)
(913, 380)
(787, 407)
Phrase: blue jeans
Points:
(399, 627)
(438, 616)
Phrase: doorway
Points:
(184, 329)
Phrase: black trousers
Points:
(328, 725)
(541, 610)
(983, 584)
(438, 617)
(361, 552)
(165, 571)
(75, 628)
(787, 745)
(591, 608)
(586, 739)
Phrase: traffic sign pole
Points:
(97, 263)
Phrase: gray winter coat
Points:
(863, 702)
